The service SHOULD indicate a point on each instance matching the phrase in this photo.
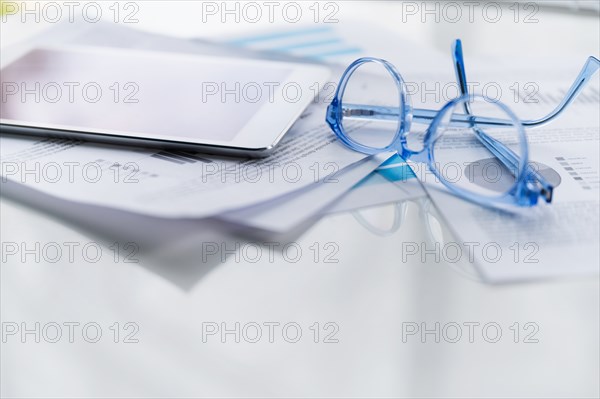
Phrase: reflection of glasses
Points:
(475, 146)
(437, 234)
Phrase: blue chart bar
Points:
(321, 43)
(394, 169)
(297, 46)
(278, 35)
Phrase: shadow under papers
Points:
(175, 249)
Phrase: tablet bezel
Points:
(258, 136)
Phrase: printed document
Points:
(547, 240)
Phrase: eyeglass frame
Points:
(529, 184)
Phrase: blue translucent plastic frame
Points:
(529, 184)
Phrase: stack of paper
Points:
(183, 191)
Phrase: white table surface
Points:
(369, 293)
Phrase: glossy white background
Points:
(369, 293)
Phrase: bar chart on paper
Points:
(321, 43)
(581, 170)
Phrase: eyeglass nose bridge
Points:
(406, 150)
(423, 153)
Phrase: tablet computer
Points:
(157, 99)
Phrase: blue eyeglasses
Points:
(474, 145)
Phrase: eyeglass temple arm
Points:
(590, 67)
(535, 180)
(419, 115)
(459, 69)
(587, 72)
(425, 116)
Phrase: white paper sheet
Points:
(290, 211)
(549, 240)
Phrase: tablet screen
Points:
(137, 93)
